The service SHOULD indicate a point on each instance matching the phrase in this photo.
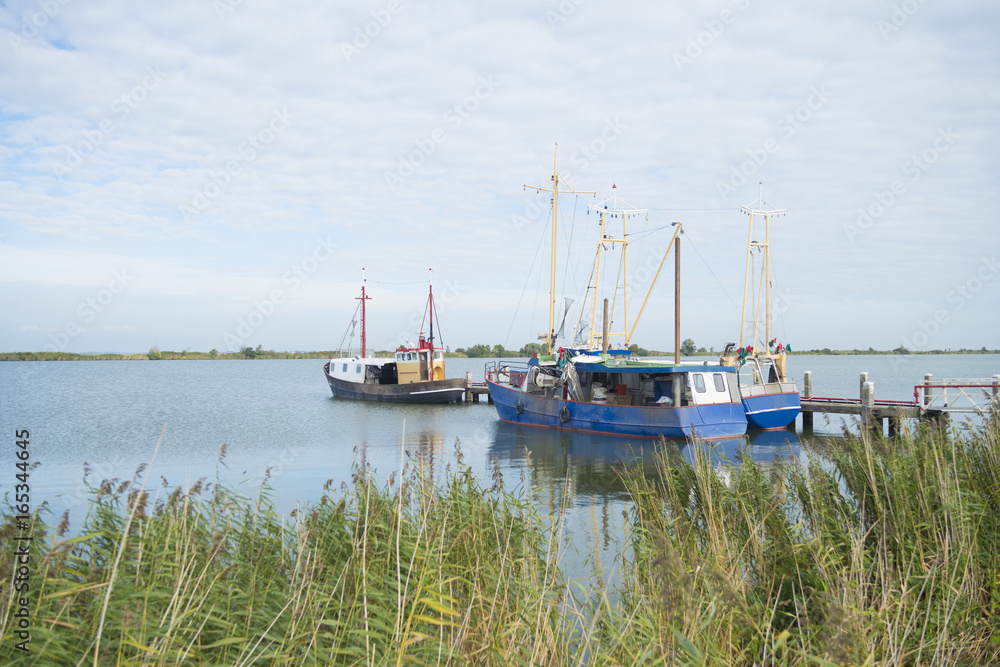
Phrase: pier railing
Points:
(933, 400)
(972, 395)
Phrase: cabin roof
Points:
(649, 367)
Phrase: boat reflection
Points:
(427, 448)
(588, 464)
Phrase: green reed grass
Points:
(877, 552)
(416, 573)
(872, 552)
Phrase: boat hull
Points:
(772, 410)
(434, 391)
(719, 420)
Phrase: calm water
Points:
(279, 414)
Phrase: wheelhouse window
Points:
(438, 355)
(699, 383)
(720, 382)
(345, 368)
(358, 369)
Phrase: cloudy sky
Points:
(211, 173)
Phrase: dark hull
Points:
(435, 391)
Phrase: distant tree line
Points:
(898, 350)
(688, 349)
(498, 350)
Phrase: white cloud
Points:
(196, 87)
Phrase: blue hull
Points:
(722, 420)
(772, 410)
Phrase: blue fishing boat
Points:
(593, 390)
(769, 399)
(601, 394)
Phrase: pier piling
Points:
(868, 419)
(807, 392)
(474, 390)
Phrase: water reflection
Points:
(427, 447)
(577, 476)
(585, 465)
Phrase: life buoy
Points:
(520, 408)
(564, 415)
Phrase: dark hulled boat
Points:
(415, 374)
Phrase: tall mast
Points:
(614, 206)
(762, 208)
(551, 336)
(362, 299)
(430, 303)
(767, 272)
(746, 279)
(677, 300)
(597, 283)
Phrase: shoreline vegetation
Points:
(873, 551)
(688, 349)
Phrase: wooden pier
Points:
(931, 402)
(473, 390)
